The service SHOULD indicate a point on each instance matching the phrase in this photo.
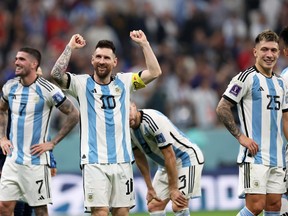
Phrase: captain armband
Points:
(137, 81)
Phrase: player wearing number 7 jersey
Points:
(30, 100)
(261, 99)
(104, 99)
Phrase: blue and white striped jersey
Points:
(260, 103)
(31, 108)
(156, 131)
(284, 74)
(104, 116)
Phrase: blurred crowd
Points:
(200, 44)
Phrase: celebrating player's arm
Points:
(226, 116)
(153, 68)
(59, 70)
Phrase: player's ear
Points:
(285, 51)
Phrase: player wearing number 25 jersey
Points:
(260, 102)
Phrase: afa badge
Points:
(90, 197)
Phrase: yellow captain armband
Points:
(137, 81)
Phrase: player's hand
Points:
(53, 172)
(151, 195)
(77, 41)
(139, 37)
(178, 198)
(248, 143)
(39, 149)
(6, 146)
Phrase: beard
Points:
(103, 73)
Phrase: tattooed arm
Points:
(225, 115)
(5, 144)
(72, 118)
(58, 72)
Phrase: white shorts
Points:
(189, 182)
(28, 182)
(260, 179)
(108, 185)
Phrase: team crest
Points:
(90, 197)
(256, 184)
(36, 99)
(117, 89)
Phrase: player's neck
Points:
(28, 80)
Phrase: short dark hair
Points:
(267, 35)
(106, 44)
(33, 52)
(284, 36)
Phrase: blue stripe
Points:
(184, 156)
(257, 116)
(273, 123)
(109, 103)
(282, 85)
(146, 148)
(92, 132)
(21, 124)
(37, 124)
(124, 119)
(10, 99)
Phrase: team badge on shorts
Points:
(90, 197)
(256, 184)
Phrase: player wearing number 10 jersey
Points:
(104, 99)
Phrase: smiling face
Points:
(25, 64)
(103, 61)
(266, 54)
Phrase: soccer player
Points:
(104, 99)
(262, 107)
(30, 98)
(284, 38)
(180, 161)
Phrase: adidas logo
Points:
(94, 91)
(84, 156)
(41, 198)
(260, 89)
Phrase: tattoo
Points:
(72, 118)
(3, 118)
(60, 67)
(226, 117)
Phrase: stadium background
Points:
(200, 45)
